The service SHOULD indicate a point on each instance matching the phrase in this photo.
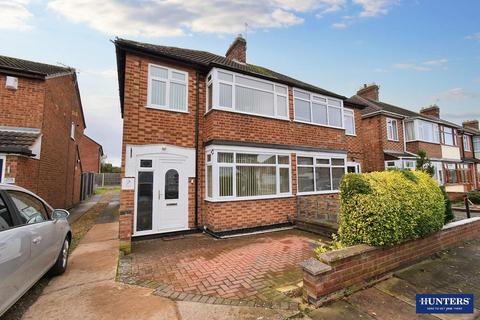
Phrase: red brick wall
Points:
(355, 143)
(59, 172)
(433, 150)
(90, 155)
(22, 107)
(372, 138)
(354, 267)
(50, 106)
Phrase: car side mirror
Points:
(58, 214)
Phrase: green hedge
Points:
(474, 196)
(385, 208)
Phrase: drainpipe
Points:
(197, 114)
(404, 136)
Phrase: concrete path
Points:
(88, 289)
(453, 271)
(79, 209)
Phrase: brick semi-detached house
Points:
(41, 122)
(216, 143)
(91, 153)
(394, 135)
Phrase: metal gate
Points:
(87, 187)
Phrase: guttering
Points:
(393, 114)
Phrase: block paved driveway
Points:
(248, 268)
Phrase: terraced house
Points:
(41, 124)
(394, 135)
(217, 143)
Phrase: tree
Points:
(424, 164)
(109, 168)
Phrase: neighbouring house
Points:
(41, 124)
(470, 136)
(91, 153)
(394, 135)
(217, 143)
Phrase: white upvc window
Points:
(317, 109)
(421, 130)
(392, 129)
(319, 173)
(349, 121)
(401, 164)
(466, 143)
(72, 130)
(231, 91)
(448, 136)
(245, 174)
(167, 88)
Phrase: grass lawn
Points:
(103, 190)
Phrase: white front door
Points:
(161, 196)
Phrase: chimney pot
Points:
(238, 50)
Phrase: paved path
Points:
(79, 209)
(453, 271)
(88, 290)
(248, 269)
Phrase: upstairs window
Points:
(72, 130)
(349, 120)
(240, 93)
(466, 143)
(448, 136)
(428, 131)
(392, 129)
(167, 88)
(316, 109)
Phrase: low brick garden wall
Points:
(349, 269)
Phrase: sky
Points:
(418, 52)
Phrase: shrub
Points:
(448, 206)
(385, 208)
(474, 196)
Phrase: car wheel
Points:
(62, 260)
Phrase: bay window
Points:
(422, 130)
(232, 91)
(476, 147)
(235, 175)
(349, 120)
(464, 173)
(448, 136)
(451, 172)
(167, 88)
(319, 174)
(317, 109)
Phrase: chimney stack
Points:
(433, 111)
(370, 91)
(471, 124)
(238, 50)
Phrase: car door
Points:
(35, 218)
(14, 255)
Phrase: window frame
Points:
(214, 80)
(393, 127)
(2, 168)
(466, 138)
(72, 131)
(314, 165)
(215, 150)
(16, 213)
(167, 81)
(346, 112)
(453, 134)
(326, 104)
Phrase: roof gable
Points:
(31, 68)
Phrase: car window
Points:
(6, 221)
(31, 209)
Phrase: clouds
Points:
(474, 36)
(457, 94)
(425, 66)
(373, 8)
(14, 15)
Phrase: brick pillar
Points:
(126, 220)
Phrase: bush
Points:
(474, 196)
(448, 206)
(385, 208)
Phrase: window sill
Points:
(391, 140)
(272, 197)
(319, 125)
(417, 140)
(350, 135)
(246, 113)
(165, 109)
(317, 192)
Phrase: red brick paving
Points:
(248, 267)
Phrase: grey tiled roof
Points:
(17, 142)
(209, 60)
(40, 69)
(378, 106)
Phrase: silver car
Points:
(34, 240)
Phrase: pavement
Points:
(451, 271)
(88, 289)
